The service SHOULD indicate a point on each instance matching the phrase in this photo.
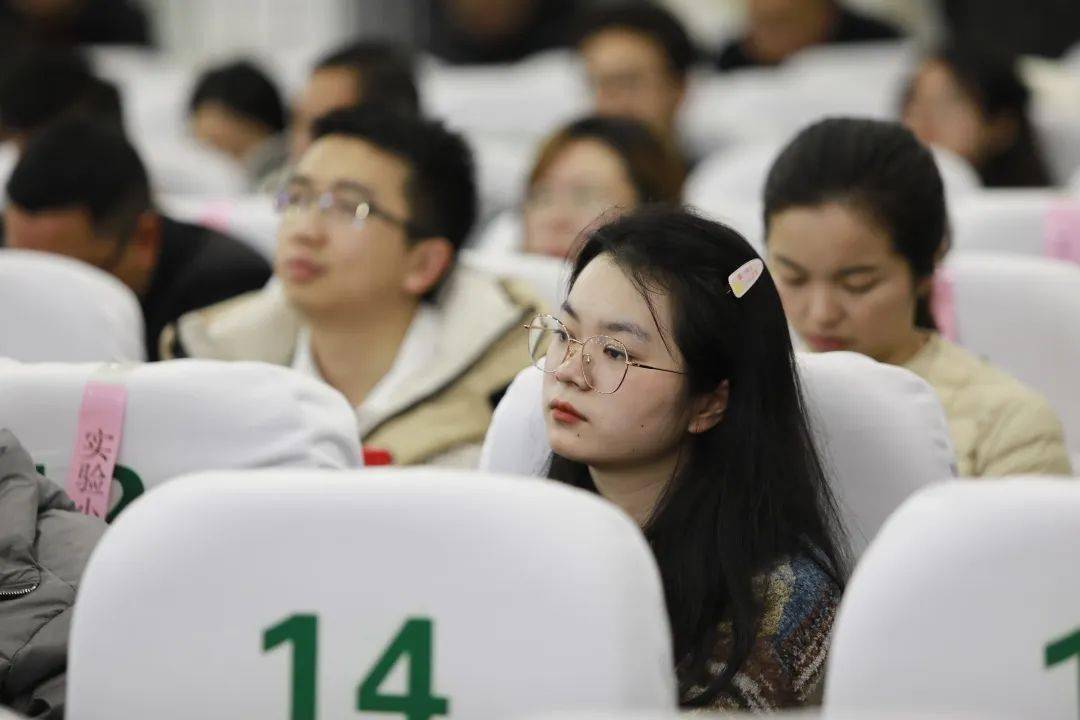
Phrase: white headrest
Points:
(184, 416)
(182, 166)
(55, 308)
(962, 603)
(881, 431)
(738, 175)
(249, 218)
(504, 233)
(1005, 221)
(1023, 315)
(512, 595)
(546, 276)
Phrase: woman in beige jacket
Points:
(855, 223)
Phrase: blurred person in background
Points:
(81, 190)
(594, 168)
(777, 29)
(637, 56)
(972, 102)
(40, 85)
(362, 72)
(373, 303)
(236, 108)
(74, 22)
(855, 224)
(496, 31)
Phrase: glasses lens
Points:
(604, 359)
(547, 342)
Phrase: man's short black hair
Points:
(245, 90)
(40, 85)
(386, 73)
(441, 185)
(87, 164)
(647, 19)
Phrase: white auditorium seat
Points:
(250, 218)
(1023, 315)
(183, 416)
(55, 308)
(880, 429)
(1024, 222)
(182, 166)
(286, 593)
(504, 233)
(965, 603)
(546, 276)
(527, 99)
(738, 175)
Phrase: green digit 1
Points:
(300, 630)
(1062, 649)
(414, 641)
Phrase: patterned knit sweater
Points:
(786, 664)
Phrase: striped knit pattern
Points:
(787, 662)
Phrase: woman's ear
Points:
(709, 409)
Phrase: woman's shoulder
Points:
(964, 379)
(796, 590)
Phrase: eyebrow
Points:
(348, 185)
(613, 326)
(846, 272)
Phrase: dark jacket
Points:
(197, 267)
(44, 546)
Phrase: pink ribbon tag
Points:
(97, 446)
(1062, 236)
(216, 215)
(943, 304)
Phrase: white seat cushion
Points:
(519, 596)
(959, 603)
(54, 308)
(249, 218)
(880, 429)
(184, 416)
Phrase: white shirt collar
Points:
(417, 349)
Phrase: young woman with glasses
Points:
(671, 390)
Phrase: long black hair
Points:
(875, 167)
(750, 491)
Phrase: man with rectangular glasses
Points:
(368, 297)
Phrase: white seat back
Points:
(59, 309)
(183, 416)
(504, 233)
(249, 218)
(1023, 315)
(488, 594)
(1010, 221)
(880, 429)
(737, 176)
(966, 603)
(181, 166)
(545, 276)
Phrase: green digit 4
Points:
(414, 642)
(301, 631)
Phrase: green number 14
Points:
(413, 642)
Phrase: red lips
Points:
(565, 413)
